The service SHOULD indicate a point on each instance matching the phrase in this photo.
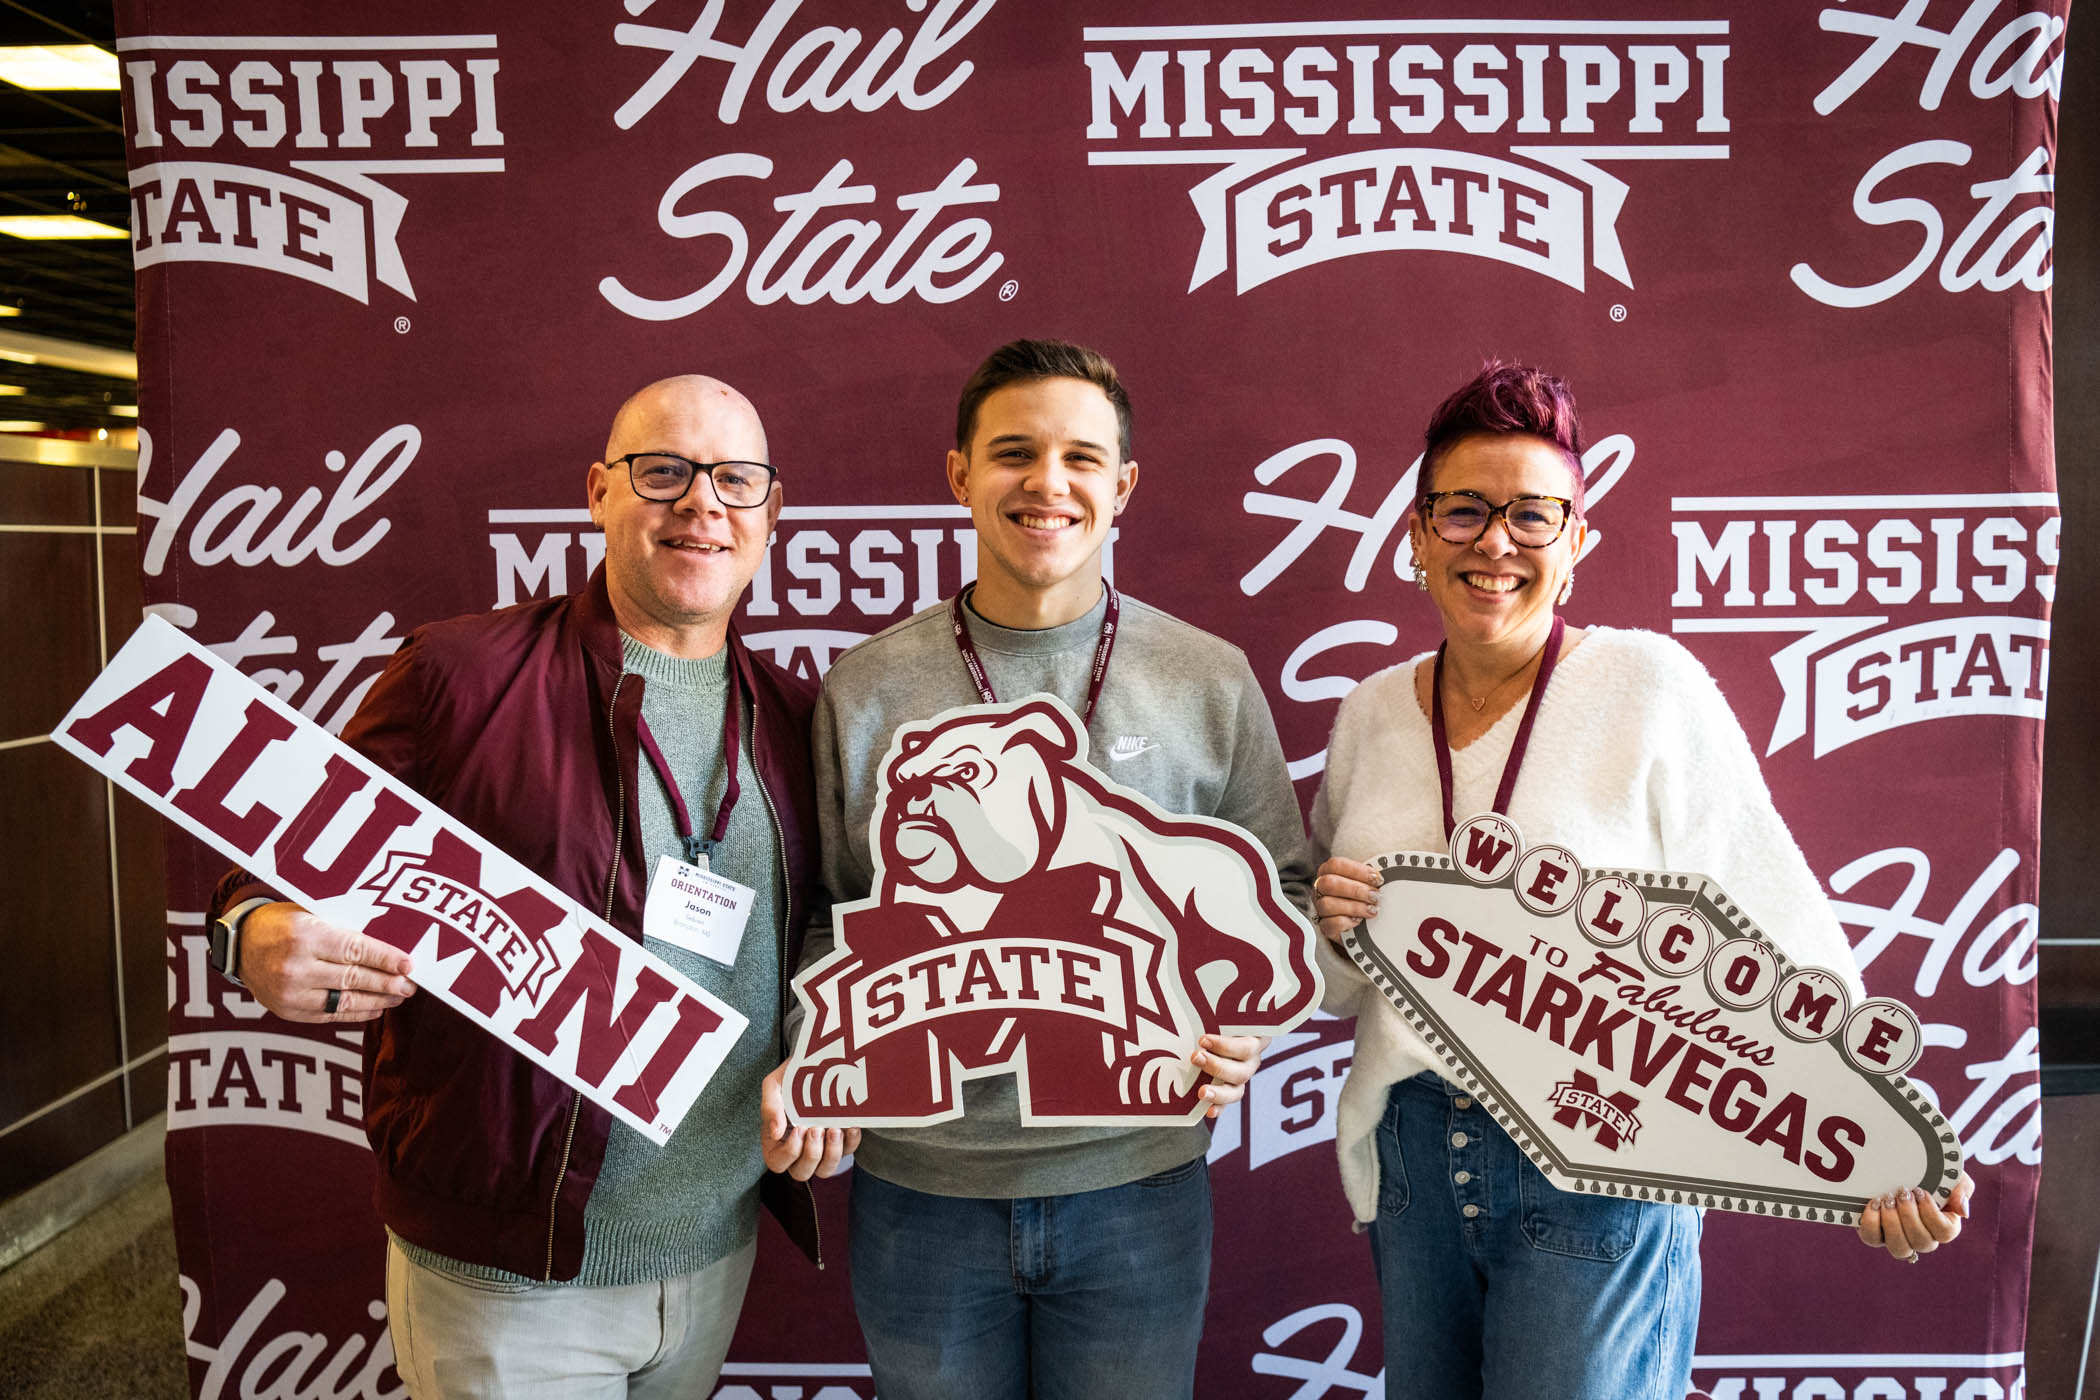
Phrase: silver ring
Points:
(1910, 1258)
(335, 999)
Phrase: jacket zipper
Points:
(787, 921)
(612, 885)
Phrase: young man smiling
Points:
(991, 1259)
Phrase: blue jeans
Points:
(1082, 1297)
(1496, 1285)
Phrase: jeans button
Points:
(1462, 1177)
(1470, 1211)
(1459, 1139)
(1462, 1102)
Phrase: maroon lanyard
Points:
(1102, 648)
(1547, 659)
(732, 734)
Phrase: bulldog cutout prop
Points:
(243, 772)
(1030, 917)
(1639, 1035)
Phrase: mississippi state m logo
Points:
(1031, 918)
(1579, 1104)
(444, 892)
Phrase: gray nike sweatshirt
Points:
(1193, 731)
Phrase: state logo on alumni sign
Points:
(1639, 1035)
(1030, 917)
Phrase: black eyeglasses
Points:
(1461, 517)
(666, 476)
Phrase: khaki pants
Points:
(456, 1338)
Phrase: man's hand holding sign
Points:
(313, 970)
(800, 1151)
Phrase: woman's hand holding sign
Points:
(1909, 1223)
(1345, 893)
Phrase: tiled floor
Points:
(96, 1313)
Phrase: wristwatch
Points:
(226, 939)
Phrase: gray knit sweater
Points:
(658, 1212)
(1187, 709)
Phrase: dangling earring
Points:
(1567, 590)
(1421, 578)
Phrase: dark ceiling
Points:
(63, 152)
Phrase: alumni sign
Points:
(237, 768)
(1639, 1035)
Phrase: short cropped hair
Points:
(1503, 399)
(1023, 361)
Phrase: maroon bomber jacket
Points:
(518, 723)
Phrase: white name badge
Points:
(697, 910)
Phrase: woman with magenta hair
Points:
(1495, 1284)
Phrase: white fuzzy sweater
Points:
(1635, 761)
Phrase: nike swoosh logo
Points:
(1119, 753)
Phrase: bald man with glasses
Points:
(609, 739)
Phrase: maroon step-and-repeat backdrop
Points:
(398, 264)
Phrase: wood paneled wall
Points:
(83, 995)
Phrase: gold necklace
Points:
(1481, 703)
